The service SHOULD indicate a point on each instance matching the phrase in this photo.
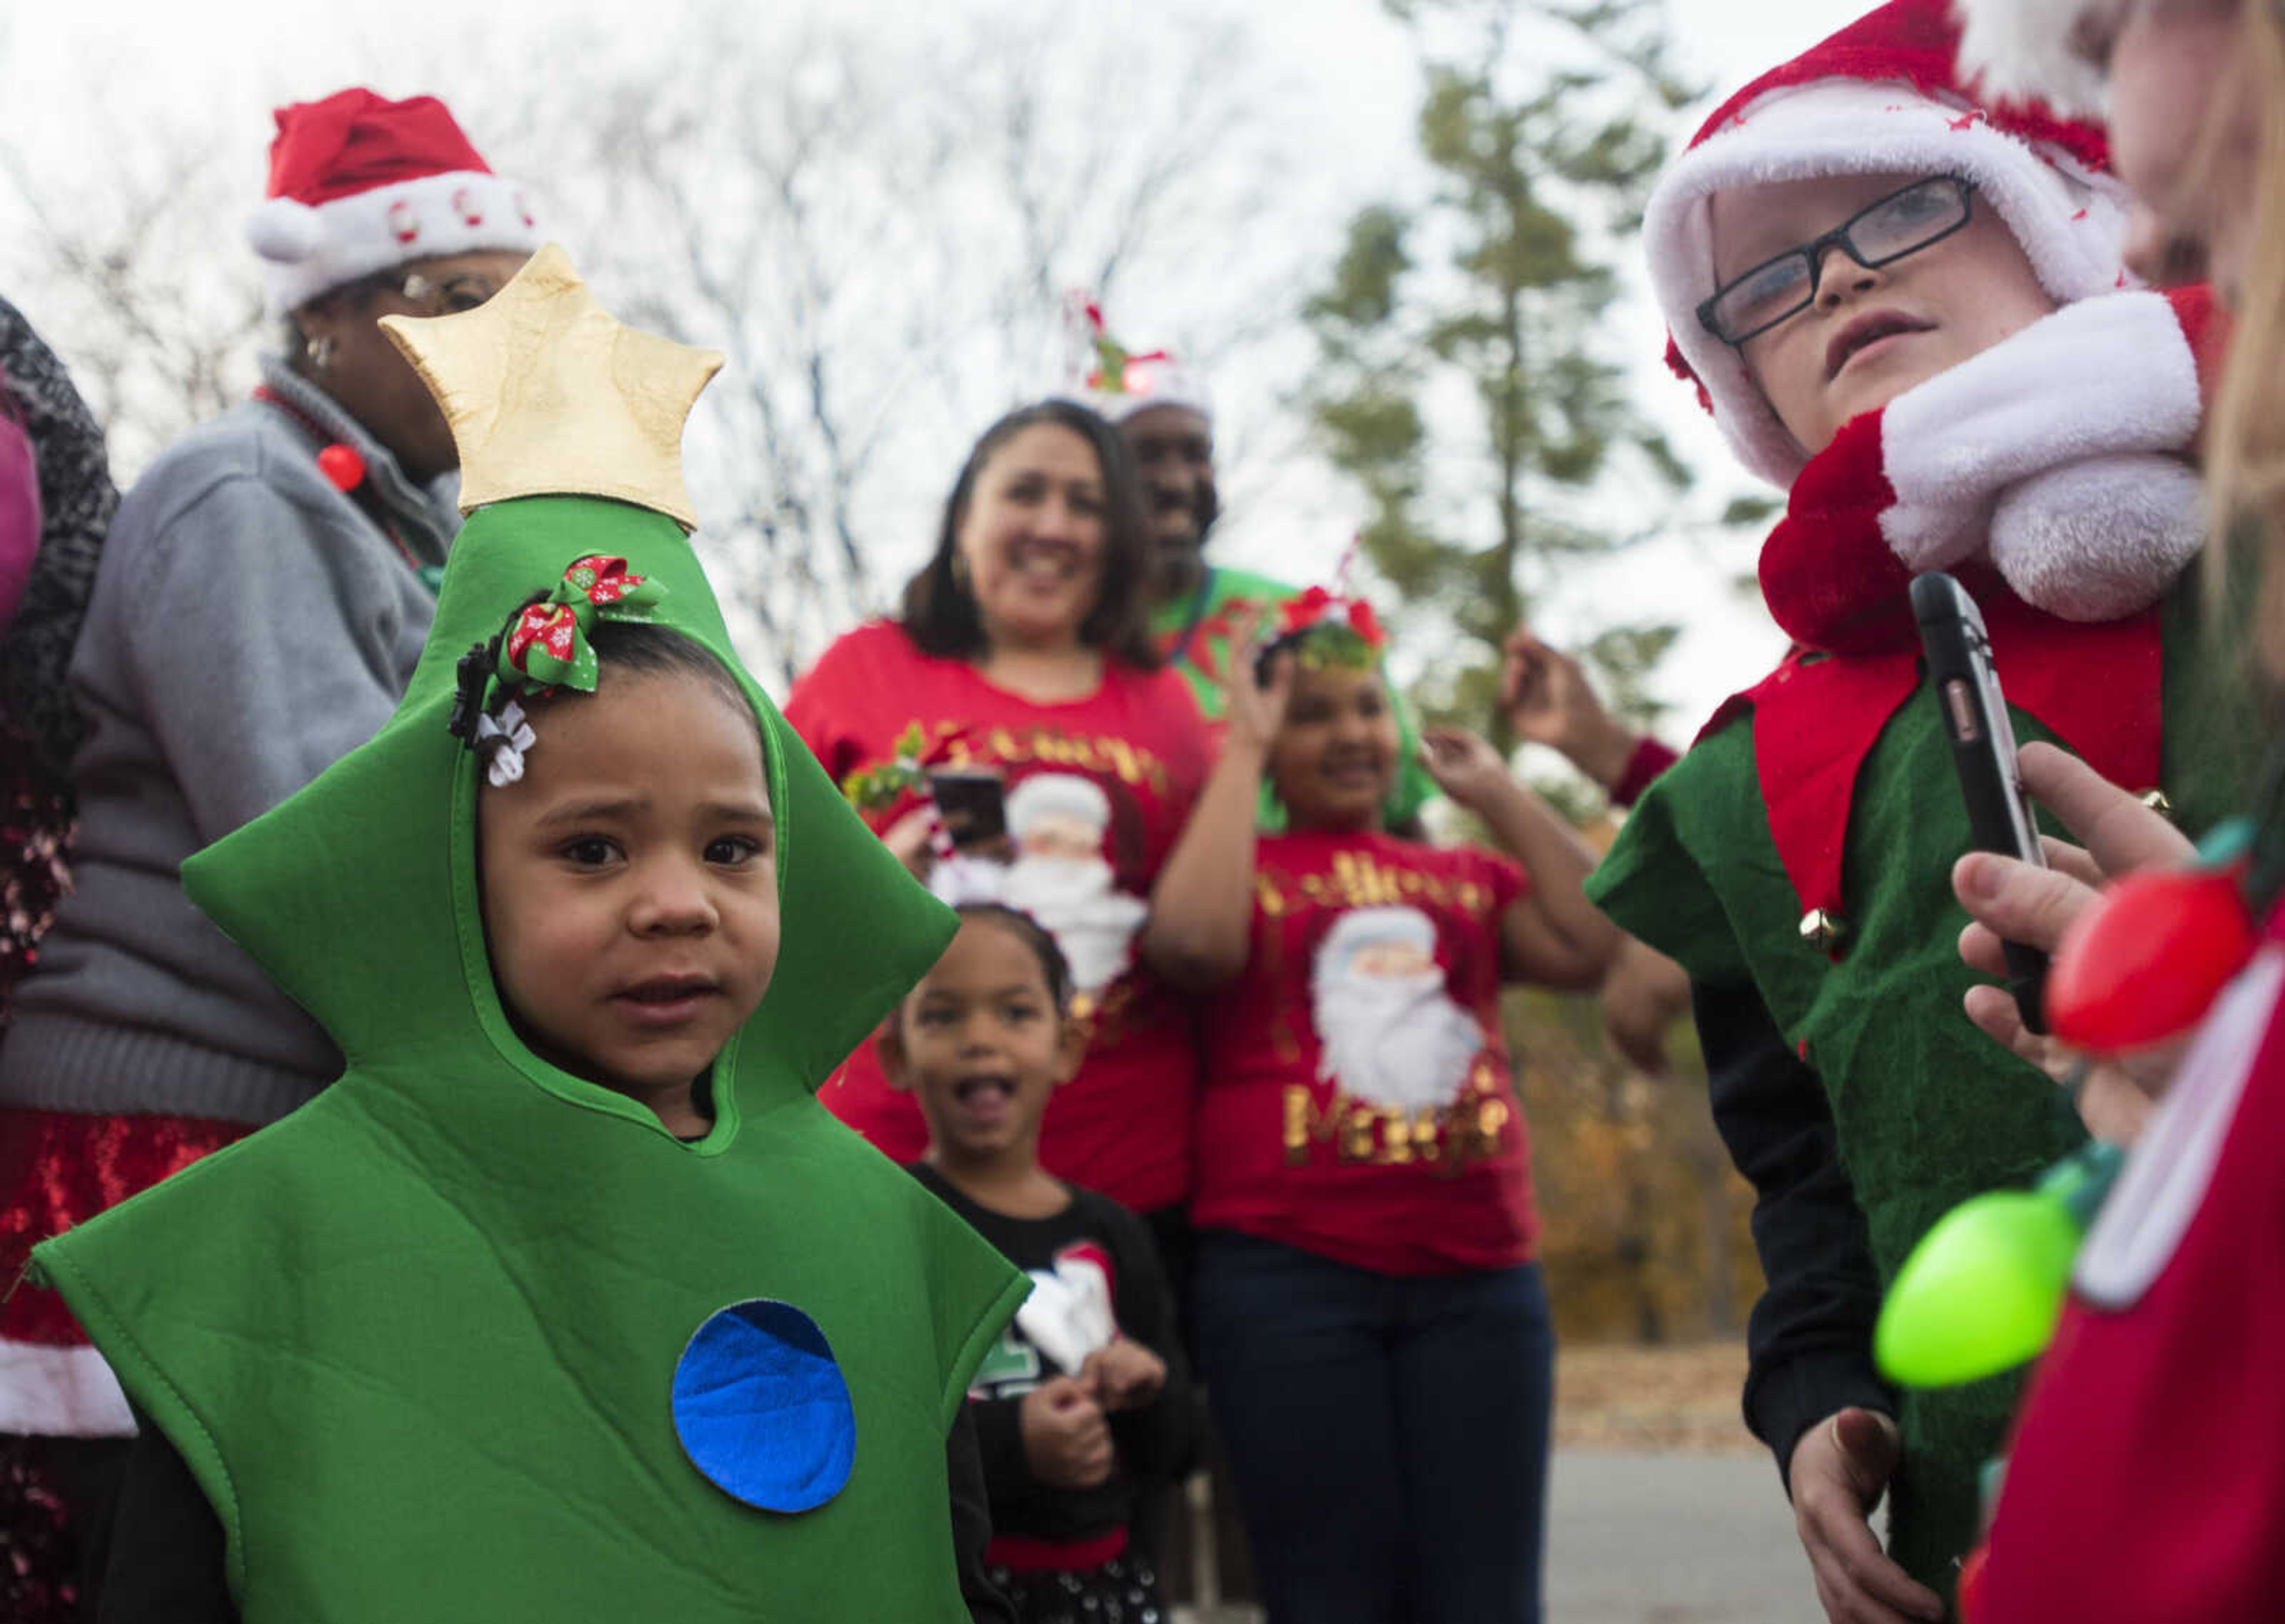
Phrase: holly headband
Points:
(544, 646)
(1330, 632)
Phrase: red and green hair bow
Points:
(546, 645)
(1326, 629)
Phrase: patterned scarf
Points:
(76, 500)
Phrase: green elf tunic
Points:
(1198, 635)
(422, 1343)
(1827, 796)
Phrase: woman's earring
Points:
(321, 354)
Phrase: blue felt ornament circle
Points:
(761, 1409)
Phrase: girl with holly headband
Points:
(1369, 1317)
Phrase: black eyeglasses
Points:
(431, 296)
(1880, 233)
(447, 295)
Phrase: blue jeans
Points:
(1388, 1433)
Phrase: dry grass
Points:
(1651, 1399)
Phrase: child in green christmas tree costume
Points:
(1910, 309)
(566, 1300)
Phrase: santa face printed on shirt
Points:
(1068, 1317)
(1390, 1031)
(1058, 824)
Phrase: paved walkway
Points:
(1648, 1539)
(1659, 1539)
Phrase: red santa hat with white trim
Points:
(1880, 95)
(2020, 51)
(360, 184)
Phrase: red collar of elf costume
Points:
(1832, 584)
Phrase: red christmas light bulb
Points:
(342, 466)
(2145, 961)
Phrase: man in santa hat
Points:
(1911, 310)
(260, 606)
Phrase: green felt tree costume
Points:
(417, 1341)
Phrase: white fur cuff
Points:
(2108, 375)
(2101, 539)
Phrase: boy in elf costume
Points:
(1910, 309)
(487, 1330)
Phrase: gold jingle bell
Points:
(1821, 929)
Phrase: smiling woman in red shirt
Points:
(1013, 736)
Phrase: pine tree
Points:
(1486, 308)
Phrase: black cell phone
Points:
(1966, 690)
(972, 804)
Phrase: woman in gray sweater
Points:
(261, 601)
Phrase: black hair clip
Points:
(475, 669)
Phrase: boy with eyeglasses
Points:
(1910, 309)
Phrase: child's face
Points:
(630, 883)
(1921, 314)
(1334, 760)
(981, 1045)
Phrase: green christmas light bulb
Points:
(1983, 1291)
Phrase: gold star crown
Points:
(549, 394)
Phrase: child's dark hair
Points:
(640, 649)
(1034, 936)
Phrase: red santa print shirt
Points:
(1359, 1099)
(1095, 792)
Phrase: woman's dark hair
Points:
(1034, 936)
(939, 613)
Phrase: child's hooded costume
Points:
(423, 1343)
(1797, 860)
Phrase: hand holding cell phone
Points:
(971, 804)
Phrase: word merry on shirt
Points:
(962, 744)
(1443, 1139)
(1358, 882)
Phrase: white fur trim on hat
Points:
(2068, 220)
(1053, 794)
(318, 248)
(2020, 51)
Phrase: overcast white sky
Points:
(224, 62)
